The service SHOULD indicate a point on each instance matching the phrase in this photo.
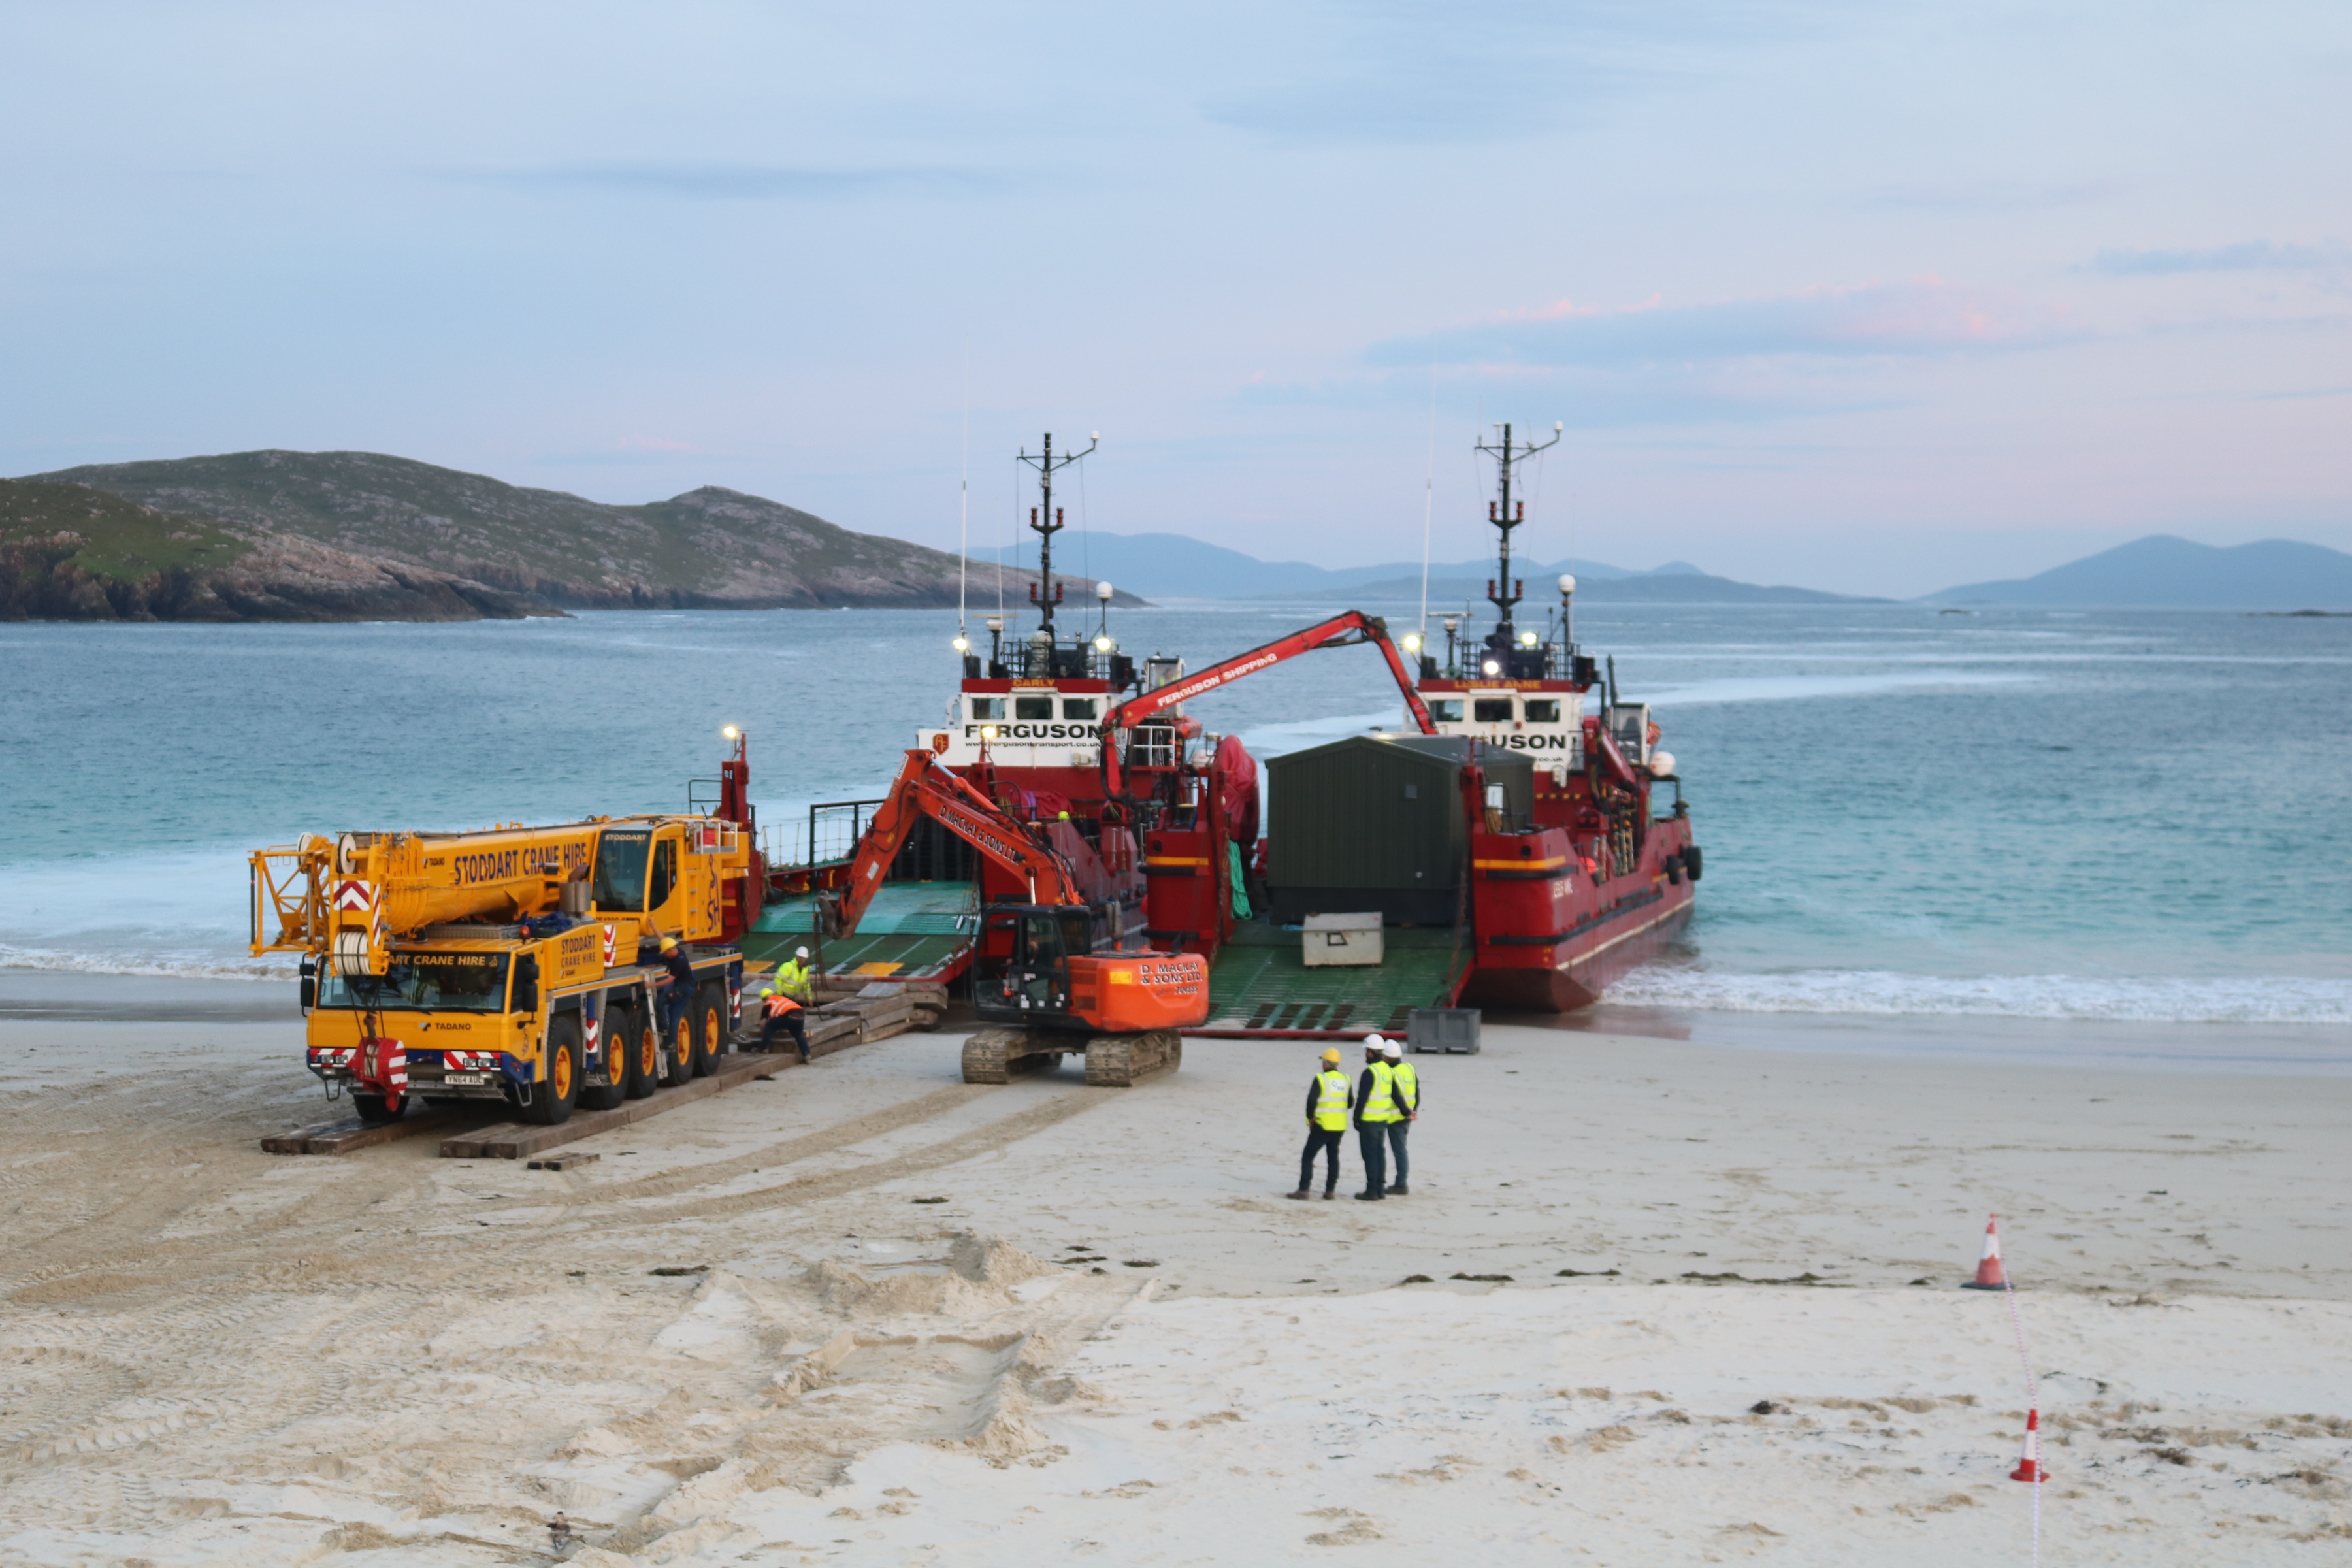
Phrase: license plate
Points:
(466, 1078)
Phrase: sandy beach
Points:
(1679, 1301)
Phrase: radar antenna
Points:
(1048, 521)
(1501, 592)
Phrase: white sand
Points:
(210, 1355)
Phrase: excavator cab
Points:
(1024, 969)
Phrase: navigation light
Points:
(1492, 667)
(1412, 642)
(963, 644)
(1526, 639)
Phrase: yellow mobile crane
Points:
(515, 962)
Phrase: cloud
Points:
(1994, 195)
(2246, 256)
(1928, 317)
(738, 181)
(1402, 72)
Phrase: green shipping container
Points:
(1375, 823)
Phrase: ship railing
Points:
(829, 834)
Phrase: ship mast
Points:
(1501, 592)
(1047, 522)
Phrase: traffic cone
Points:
(1988, 1273)
(2029, 1465)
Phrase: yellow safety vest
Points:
(1408, 1086)
(1380, 1104)
(1331, 1105)
(790, 979)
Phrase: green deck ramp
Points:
(1261, 985)
(912, 931)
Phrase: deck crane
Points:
(1197, 817)
(1344, 630)
(1052, 969)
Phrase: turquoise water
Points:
(2136, 815)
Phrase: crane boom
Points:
(926, 787)
(1333, 633)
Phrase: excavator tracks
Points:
(1116, 1061)
(1113, 1061)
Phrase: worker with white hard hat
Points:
(1406, 1085)
(1329, 1096)
(787, 991)
(1376, 1109)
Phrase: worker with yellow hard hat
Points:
(1329, 1096)
(675, 987)
(1376, 1110)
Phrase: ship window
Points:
(1033, 708)
(1446, 711)
(987, 708)
(1543, 709)
(1491, 711)
(1078, 706)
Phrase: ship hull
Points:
(1581, 969)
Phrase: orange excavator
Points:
(1051, 970)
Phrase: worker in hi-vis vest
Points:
(1330, 1095)
(786, 992)
(1406, 1085)
(1376, 1109)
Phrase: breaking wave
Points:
(159, 966)
(2251, 1000)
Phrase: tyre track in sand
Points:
(350, 1344)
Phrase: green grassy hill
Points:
(70, 552)
(709, 547)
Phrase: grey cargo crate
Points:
(1454, 1029)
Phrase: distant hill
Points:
(545, 550)
(1666, 585)
(68, 553)
(2162, 571)
(1174, 565)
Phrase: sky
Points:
(1872, 297)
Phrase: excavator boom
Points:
(1343, 630)
(924, 787)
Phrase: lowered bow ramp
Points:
(1261, 988)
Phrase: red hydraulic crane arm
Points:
(1333, 633)
(926, 788)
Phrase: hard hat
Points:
(1373, 1042)
(800, 953)
(1393, 1052)
(1332, 1056)
(668, 943)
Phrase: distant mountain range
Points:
(2163, 572)
(277, 535)
(359, 536)
(1171, 565)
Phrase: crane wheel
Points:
(611, 1058)
(709, 1028)
(999, 1056)
(1118, 1061)
(376, 1110)
(552, 1097)
(642, 1043)
(679, 1039)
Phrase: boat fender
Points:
(1691, 862)
(1675, 869)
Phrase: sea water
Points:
(2117, 815)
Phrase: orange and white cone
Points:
(2029, 1465)
(1989, 1271)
